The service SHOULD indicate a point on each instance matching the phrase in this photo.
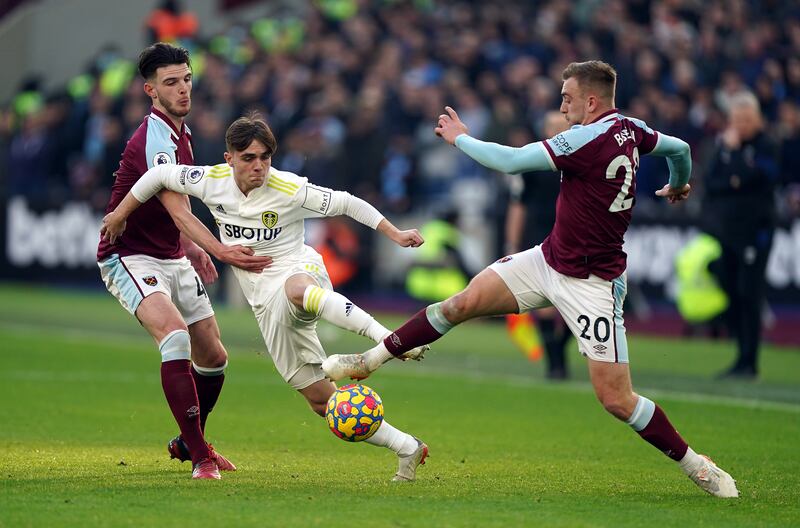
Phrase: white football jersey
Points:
(270, 218)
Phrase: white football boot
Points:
(340, 366)
(711, 479)
(407, 468)
(353, 366)
(415, 354)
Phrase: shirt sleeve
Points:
(159, 147)
(511, 160)
(679, 158)
(183, 179)
(321, 201)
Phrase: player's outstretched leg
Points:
(342, 312)
(426, 326)
(612, 385)
(486, 294)
(411, 452)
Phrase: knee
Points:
(211, 354)
(459, 307)
(295, 292)
(220, 355)
(175, 346)
(619, 405)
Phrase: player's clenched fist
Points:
(409, 238)
(450, 126)
(112, 227)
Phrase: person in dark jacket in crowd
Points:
(739, 211)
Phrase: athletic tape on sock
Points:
(175, 345)
(437, 318)
(210, 371)
(642, 414)
(314, 299)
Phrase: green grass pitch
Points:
(84, 425)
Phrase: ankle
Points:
(377, 356)
(690, 462)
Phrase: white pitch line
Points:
(586, 387)
(479, 377)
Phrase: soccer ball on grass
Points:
(354, 412)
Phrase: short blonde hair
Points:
(595, 75)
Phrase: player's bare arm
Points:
(239, 256)
(407, 238)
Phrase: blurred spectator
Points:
(789, 134)
(352, 89)
(169, 23)
(739, 211)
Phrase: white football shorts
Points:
(290, 334)
(592, 308)
(132, 278)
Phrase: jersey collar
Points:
(167, 121)
(606, 116)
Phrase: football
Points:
(354, 412)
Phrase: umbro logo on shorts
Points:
(348, 307)
(150, 280)
(601, 349)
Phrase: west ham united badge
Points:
(270, 218)
(150, 280)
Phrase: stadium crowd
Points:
(352, 90)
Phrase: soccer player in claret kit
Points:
(156, 273)
(264, 208)
(580, 266)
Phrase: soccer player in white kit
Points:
(260, 207)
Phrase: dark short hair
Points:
(161, 54)
(247, 129)
(594, 74)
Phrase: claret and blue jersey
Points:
(598, 164)
(150, 230)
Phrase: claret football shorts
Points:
(290, 334)
(132, 278)
(592, 307)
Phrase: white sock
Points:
(377, 356)
(392, 438)
(340, 311)
(689, 463)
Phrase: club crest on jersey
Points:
(161, 158)
(195, 175)
(150, 280)
(270, 218)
